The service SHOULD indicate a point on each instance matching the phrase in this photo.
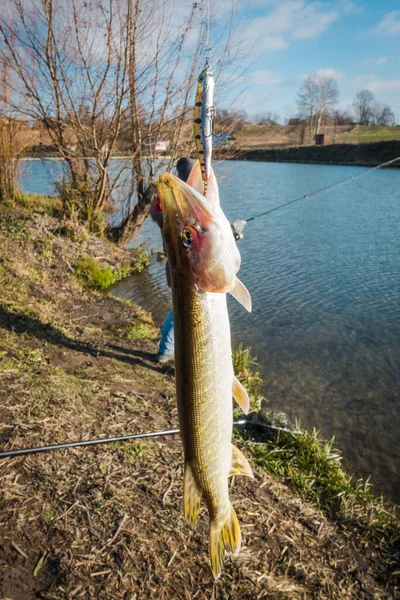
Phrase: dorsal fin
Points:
(242, 295)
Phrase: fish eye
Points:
(187, 237)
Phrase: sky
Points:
(357, 42)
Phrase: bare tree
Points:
(15, 138)
(166, 43)
(364, 105)
(96, 73)
(383, 115)
(66, 56)
(267, 118)
(162, 69)
(342, 117)
(317, 95)
(328, 95)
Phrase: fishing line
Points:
(208, 46)
(325, 189)
(125, 438)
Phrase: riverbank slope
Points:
(106, 522)
(363, 155)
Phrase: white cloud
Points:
(350, 8)
(334, 73)
(265, 77)
(390, 24)
(380, 60)
(288, 21)
(375, 84)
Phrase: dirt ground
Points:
(106, 522)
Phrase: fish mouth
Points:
(180, 199)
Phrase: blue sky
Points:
(356, 42)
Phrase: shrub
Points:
(92, 274)
(140, 258)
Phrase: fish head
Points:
(197, 236)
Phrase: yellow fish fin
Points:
(240, 464)
(191, 497)
(242, 295)
(224, 535)
(240, 395)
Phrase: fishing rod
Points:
(125, 438)
(325, 189)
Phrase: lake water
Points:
(324, 276)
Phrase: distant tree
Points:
(364, 106)
(317, 95)
(383, 115)
(342, 117)
(267, 118)
(230, 121)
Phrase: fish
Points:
(204, 260)
(203, 122)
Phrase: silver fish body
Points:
(197, 241)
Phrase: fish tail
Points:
(224, 535)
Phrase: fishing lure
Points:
(203, 122)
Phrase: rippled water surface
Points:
(324, 276)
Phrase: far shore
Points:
(361, 155)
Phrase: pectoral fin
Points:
(191, 497)
(240, 395)
(242, 295)
(240, 464)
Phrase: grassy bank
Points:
(106, 522)
(263, 137)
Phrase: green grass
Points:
(17, 227)
(313, 468)
(73, 232)
(42, 204)
(141, 331)
(96, 276)
(133, 452)
(246, 370)
(140, 258)
(364, 134)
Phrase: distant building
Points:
(322, 139)
(160, 144)
(156, 143)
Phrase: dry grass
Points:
(106, 522)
